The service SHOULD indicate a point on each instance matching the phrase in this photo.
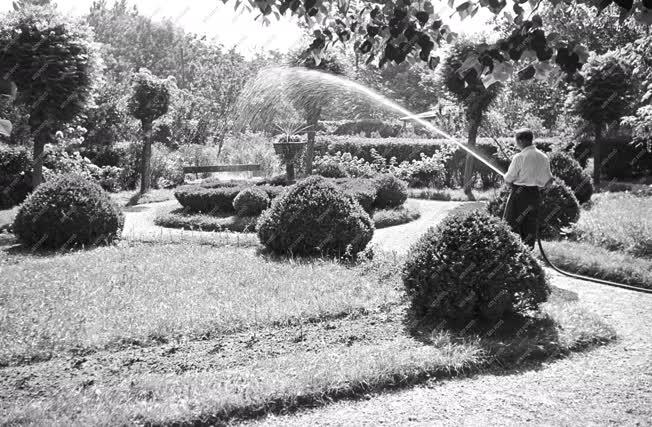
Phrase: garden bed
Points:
(179, 218)
(404, 214)
(188, 335)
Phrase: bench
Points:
(221, 168)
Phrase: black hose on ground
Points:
(589, 279)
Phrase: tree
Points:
(399, 31)
(639, 53)
(51, 61)
(313, 103)
(462, 78)
(149, 101)
(605, 96)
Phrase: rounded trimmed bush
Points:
(363, 190)
(569, 170)
(472, 266)
(391, 192)
(68, 210)
(559, 208)
(315, 217)
(250, 201)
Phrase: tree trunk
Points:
(145, 167)
(313, 121)
(42, 138)
(474, 124)
(597, 155)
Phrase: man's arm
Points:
(548, 174)
(513, 170)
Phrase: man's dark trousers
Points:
(521, 212)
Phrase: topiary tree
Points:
(569, 170)
(68, 211)
(559, 208)
(52, 62)
(604, 97)
(315, 217)
(149, 100)
(463, 80)
(312, 103)
(472, 266)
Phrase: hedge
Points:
(217, 196)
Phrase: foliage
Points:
(470, 266)
(617, 222)
(361, 189)
(67, 211)
(314, 217)
(425, 172)
(564, 166)
(329, 169)
(368, 127)
(150, 98)
(216, 197)
(391, 191)
(251, 201)
(15, 176)
(558, 208)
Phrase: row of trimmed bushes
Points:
(385, 191)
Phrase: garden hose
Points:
(586, 278)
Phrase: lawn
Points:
(178, 333)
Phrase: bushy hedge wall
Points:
(315, 217)
(622, 159)
(369, 127)
(69, 210)
(15, 175)
(472, 266)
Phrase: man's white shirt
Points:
(530, 167)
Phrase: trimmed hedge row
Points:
(214, 196)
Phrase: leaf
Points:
(5, 127)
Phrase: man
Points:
(528, 172)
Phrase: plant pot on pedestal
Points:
(290, 153)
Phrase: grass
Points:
(196, 221)
(306, 378)
(448, 194)
(617, 222)
(142, 294)
(593, 261)
(131, 198)
(401, 215)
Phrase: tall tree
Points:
(605, 96)
(51, 60)
(465, 84)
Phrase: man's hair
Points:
(525, 136)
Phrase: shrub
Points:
(202, 222)
(251, 201)
(361, 189)
(330, 169)
(390, 191)
(395, 216)
(217, 196)
(15, 175)
(564, 166)
(314, 217)
(426, 172)
(68, 211)
(369, 127)
(469, 266)
(559, 208)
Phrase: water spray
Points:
(270, 91)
